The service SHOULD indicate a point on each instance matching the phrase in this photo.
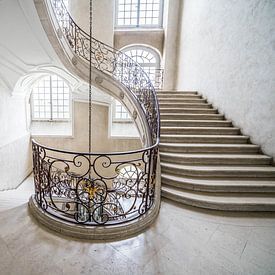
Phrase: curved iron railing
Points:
(94, 189)
(99, 188)
(112, 62)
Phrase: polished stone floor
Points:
(183, 240)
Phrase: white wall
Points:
(101, 141)
(103, 18)
(227, 53)
(15, 156)
(171, 26)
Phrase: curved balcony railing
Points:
(94, 189)
(112, 62)
(99, 188)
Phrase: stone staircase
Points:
(207, 162)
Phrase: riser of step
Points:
(200, 130)
(223, 203)
(162, 92)
(187, 110)
(185, 105)
(195, 123)
(208, 148)
(224, 172)
(167, 116)
(215, 159)
(221, 139)
(231, 186)
(180, 95)
(181, 100)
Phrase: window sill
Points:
(51, 128)
(126, 29)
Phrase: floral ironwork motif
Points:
(94, 189)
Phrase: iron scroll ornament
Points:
(121, 189)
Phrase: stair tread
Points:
(219, 182)
(200, 127)
(219, 156)
(206, 136)
(239, 198)
(212, 145)
(266, 168)
(178, 108)
(196, 120)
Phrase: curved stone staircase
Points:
(207, 162)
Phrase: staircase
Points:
(207, 162)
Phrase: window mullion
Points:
(138, 13)
(51, 98)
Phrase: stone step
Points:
(181, 100)
(188, 110)
(170, 116)
(163, 92)
(209, 148)
(222, 201)
(221, 139)
(200, 130)
(216, 159)
(218, 171)
(195, 123)
(184, 105)
(218, 185)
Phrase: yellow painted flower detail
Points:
(91, 191)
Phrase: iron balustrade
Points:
(97, 188)
(112, 62)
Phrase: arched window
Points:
(139, 13)
(50, 99)
(148, 59)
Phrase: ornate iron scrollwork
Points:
(121, 188)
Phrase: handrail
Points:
(121, 189)
(103, 188)
(113, 62)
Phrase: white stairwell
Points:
(207, 162)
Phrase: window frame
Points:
(114, 118)
(51, 119)
(150, 50)
(139, 26)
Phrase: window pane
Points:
(49, 98)
(131, 13)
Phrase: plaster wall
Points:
(171, 25)
(103, 18)
(15, 157)
(226, 52)
(101, 141)
(153, 38)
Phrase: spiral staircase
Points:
(91, 195)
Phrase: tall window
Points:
(148, 59)
(139, 13)
(121, 112)
(51, 99)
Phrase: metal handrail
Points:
(121, 189)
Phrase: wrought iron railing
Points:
(99, 188)
(112, 62)
(94, 189)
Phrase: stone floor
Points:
(183, 240)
